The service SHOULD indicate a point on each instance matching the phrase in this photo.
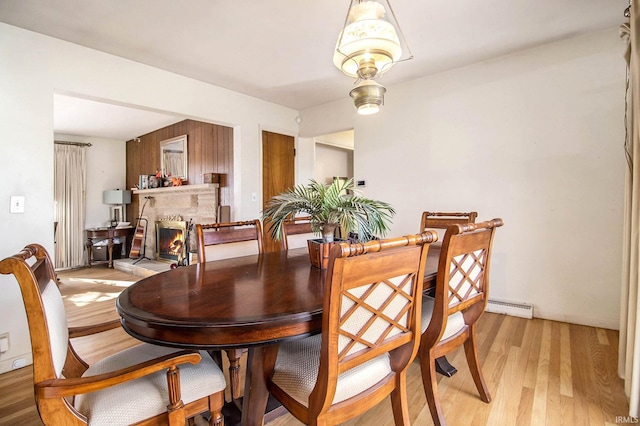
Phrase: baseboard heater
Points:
(509, 308)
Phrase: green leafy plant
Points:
(329, 206)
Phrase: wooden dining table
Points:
(251, 302)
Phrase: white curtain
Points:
(629, 351)
(70, 170)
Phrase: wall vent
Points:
(508, 308)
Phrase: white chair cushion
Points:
(455, 322)
(148, 396)
(296, 371)
(56, 324)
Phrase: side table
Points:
(109, 234)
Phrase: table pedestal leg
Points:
(260, 362)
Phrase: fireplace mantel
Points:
(183, 189)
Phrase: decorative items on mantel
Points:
(158, 181)
(329, 206)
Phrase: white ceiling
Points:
(281, 50)
(84, 117)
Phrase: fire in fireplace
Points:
(170, 240)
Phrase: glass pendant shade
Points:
(368, 96)
(368, 46)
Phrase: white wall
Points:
(32, 68)
(342, 139)
(331, 162)
(305, 160)
(535, 138)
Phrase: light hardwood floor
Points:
(539, 372)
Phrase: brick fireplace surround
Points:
(198, 203)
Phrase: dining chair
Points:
(370, 335)
(145, 384)
(296, 229)
(461, 295)
(235, 237)
(442, 220)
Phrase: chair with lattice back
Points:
(440, 221)
(370, 335)
(449, 318)
(145, 384)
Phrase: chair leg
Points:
(234, 372)
(430, 384)
(175, 409)
(317, 421)
(216, 401)
(470, 350)
(399, 400)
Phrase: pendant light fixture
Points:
(370, 43)
(368, 96)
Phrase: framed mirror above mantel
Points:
(174, 157)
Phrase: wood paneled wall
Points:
(210, 150)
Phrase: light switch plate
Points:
(4, 343)
(17, 204)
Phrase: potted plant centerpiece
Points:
(328, 206)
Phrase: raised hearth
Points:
(143, 268)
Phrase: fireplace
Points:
(171, 240)
(191, 203)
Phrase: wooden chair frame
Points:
(442, 220)
(226, 233)
(354, 268)
(296, 226)
(462, 286)
(34, 271)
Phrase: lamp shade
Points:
(116, 196)
(368, 96)
(368, 45)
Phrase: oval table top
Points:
(237, 302)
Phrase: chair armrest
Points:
(59, 388)
(87, 330)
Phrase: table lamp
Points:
(117, 198)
